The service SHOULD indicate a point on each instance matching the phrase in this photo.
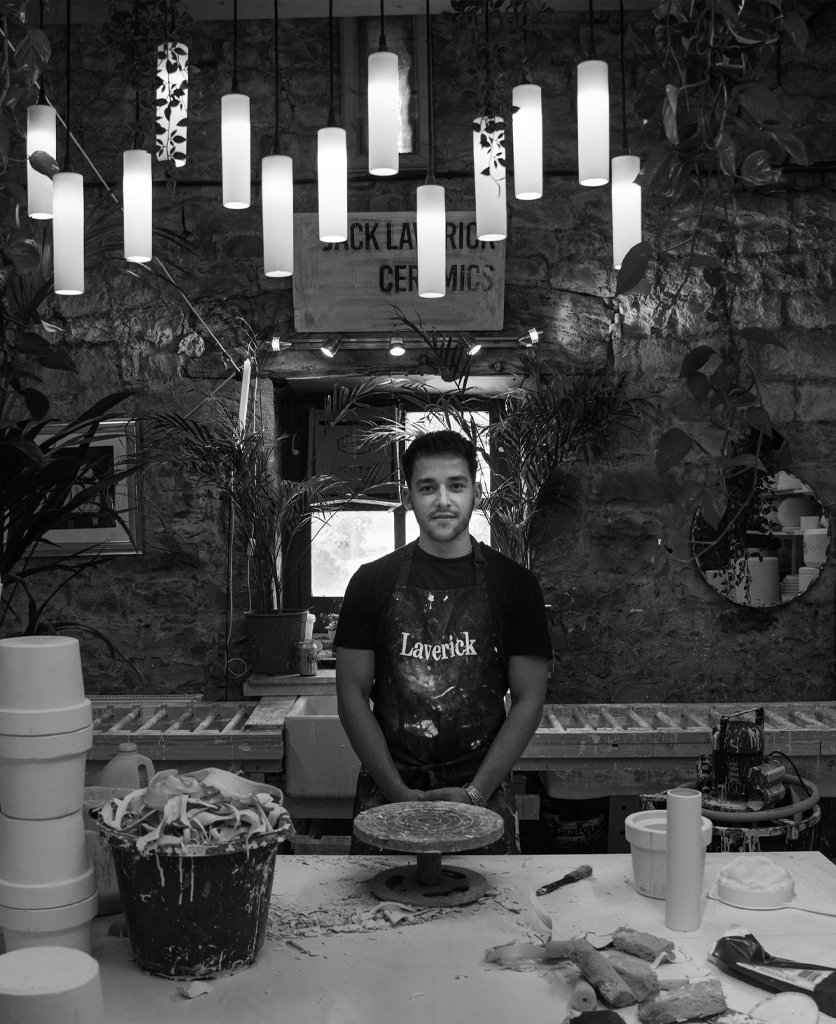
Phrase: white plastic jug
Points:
(128, 770)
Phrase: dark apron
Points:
(439, 694)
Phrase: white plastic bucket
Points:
(44, 864)
(43, 776)
(42, 689)
(50, 985)
(70, 926)
(646, 832)
(107, 883)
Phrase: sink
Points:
(319, 760)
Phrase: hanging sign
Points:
(353, 285)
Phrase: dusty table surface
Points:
(328, 958)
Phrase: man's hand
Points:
(453, 794)
(409, 794)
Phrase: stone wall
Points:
(628, 623)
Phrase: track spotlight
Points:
(331, 346)
(470, 345)
(277, 345)
(396, 345)
(531, 338)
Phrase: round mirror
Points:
(768, 547)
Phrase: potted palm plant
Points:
(266, 512)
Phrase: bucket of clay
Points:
(646, 832)
(43, 776)
(197, 911)
(70, 926)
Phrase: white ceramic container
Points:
(43, 776)
(50, 985)
(70, 926)
(44, 864)
(646, 832)
(41, 686)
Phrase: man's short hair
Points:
(439, 442)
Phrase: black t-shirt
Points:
(516, 601)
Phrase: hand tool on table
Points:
(584, 871)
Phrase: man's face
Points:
(442, 496)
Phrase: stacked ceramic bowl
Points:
(47, 884)
(790, 587)
(815, 547)
(762, 580)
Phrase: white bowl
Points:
(754, 900)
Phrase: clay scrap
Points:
(689, 1003)
(642, 944)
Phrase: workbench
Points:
(434, 972)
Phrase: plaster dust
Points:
(349, 906)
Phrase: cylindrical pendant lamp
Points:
(626, 207)
(136, 201)
(68, 232)
(491, 211)
(432, 241)
(384, 119)
(593, 123)
(277, 214)
(332, 184)
(527, 126)
(40, 137)
(235, 154)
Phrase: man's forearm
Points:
(367, 739)
(519, 726)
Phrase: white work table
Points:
(434, 972)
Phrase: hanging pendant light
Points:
(626, 194)
(431, 209)
(489, 168)
(68, 213)
(593, 116)
(396, 346)
(527, 129)
(40, 137)
(332, 166)
(384, 104)
(137, 202)
(235, 135)
(277, 189)
(172, 97)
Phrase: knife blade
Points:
(584, 871)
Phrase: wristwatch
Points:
(476, 797)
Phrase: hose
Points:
(742, 817)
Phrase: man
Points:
(434, 635)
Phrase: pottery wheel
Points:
(429, 829)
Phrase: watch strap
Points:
(476, 797)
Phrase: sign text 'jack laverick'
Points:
(353, 285)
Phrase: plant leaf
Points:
(699, 386)
(796, 28)
(756, 169)
(633, 267)
(671, 449)
(760, 336)
(726, 153)
(712, 503)
(695, 359)
(44, 163)
(759, 102)
(669, 114)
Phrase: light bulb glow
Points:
(40, 136)
(172, 101)
(626, 207)
(593, 123)
(277, 215)
(396, 345)
(527, 127)
(384, 113)
(137, 205)
(68, 233)
(491, 210)
(235, 150)
(332, 184)
(432, 241)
